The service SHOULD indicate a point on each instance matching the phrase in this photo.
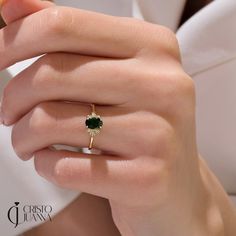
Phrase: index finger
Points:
(72, 30)
(12, 10)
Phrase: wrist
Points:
(207, 212)
(220, 213)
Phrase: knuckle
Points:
(164, 40)
(59, 20)
(179, 83)
(180, 96)
(54, 61)
(169, 37)
(161, 137)
(183, 86)
(157, 132)
(43, 75)
(50, 69)
(188, 92)
(40, 119)
(154, 173)
(188, 85)
(168, 34)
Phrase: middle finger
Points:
(69, 77)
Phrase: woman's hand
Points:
(149, 166)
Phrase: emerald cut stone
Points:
(94, 123)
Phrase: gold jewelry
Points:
(94, 124)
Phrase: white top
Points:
(208, 48)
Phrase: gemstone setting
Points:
(94, 124)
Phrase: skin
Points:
(149, 169)
(88, 215)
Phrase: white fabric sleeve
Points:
(208, 49)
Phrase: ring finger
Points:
(53, 123)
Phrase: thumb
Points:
(12, 10)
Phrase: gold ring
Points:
(94, 124)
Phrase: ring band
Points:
(94, 124)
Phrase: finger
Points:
(64, 123)
(74, 30)
(13, 10)
(105, 176)
(69, 77)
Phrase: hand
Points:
(131, 69)
(88, 214)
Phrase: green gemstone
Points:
(94, 123)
